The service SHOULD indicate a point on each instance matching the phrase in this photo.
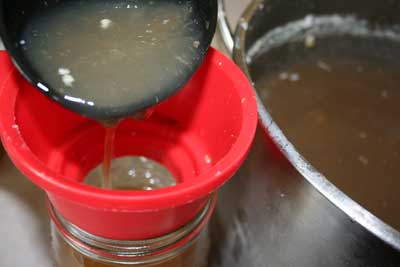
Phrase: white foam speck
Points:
(283, 76)
(196, 44)
(310, 41)
(68, 80)
(324, 66)
(148, 174)
(64, 71)
(243, 23)
(66, 76)
(294, 77)
(132, 173)
(105, 23)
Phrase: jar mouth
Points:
(132, 252)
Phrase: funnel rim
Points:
(178, 195)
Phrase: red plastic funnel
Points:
(202, 135)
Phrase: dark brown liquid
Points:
(338, 103)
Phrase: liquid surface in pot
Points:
(336, 98)
(111, 54)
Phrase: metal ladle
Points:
(15, 15)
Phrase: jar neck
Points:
(133, 252)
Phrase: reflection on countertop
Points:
(24, 226)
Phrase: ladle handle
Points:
(224, 29)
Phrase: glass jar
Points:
(186, 247)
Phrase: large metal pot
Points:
(278, 214)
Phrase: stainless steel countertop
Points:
(24, 224)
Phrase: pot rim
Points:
(319, 181)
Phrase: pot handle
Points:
(224, 29)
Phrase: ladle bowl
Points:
(16, 14)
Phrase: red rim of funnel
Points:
(180, 194)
